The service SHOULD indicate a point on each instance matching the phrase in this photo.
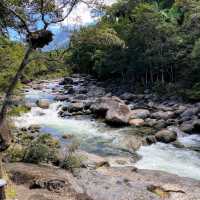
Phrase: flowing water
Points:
(96, 137)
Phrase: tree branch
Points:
(18, 16)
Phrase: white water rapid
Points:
(96, 137)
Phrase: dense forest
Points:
(111, 112)
(151, 44)
(41, 64)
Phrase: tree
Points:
(32, 21)
(25, 15)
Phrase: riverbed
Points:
(98, 138)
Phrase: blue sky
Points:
(82, 15)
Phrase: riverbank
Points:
(127, 130)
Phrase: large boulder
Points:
(140, 114)
(114, 110)
(118, 115)
(166, 136)
(43, 103)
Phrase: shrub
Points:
(71, 159)
(36, 153)
(71, 162)
(17, 110)
(15, 153)
(193, 94)
(42, 149)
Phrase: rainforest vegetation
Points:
(152, 44)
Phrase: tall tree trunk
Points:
(5, 135)
(12, 85)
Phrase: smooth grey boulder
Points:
(166, 136)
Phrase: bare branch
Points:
(18, 16)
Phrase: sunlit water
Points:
(97, 138)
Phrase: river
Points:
(95, 137)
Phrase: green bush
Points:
(193, 94)
(43, 149)
(71, 162)
(71, 159)
(15, 153)
(37, 153)
(17, 110)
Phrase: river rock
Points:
(196, 126)
(81, 97)
(128, 96)
(186, 127)
(189, 113)
(82, 91)
(102, 105)
(160, 124)
(115, 111)
(71, 90)
(75, 107)
(61, 98)
(92, 161)
(140, 114)
(150, 122)
(66, 81)
(150, 139)
(118, 115)
(67, 136)
(163, 115)
(43, 103)
(136, 122)
(166, 136)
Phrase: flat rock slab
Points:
(132, 184)
(105, 183)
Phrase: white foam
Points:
(49, 118)
(170, 159)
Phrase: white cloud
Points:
(81, 15)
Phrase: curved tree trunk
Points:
(12, 85)
(5, 134)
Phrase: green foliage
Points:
(43, 149)
(42, 65)
(17, 110)
(15, 153)
(153, 44)
(194, 93)
(72, 160)
(93, 50)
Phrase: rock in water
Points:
(43, 103)
(166, 136)
(115, 111)
(140, 114)
(118, 115)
